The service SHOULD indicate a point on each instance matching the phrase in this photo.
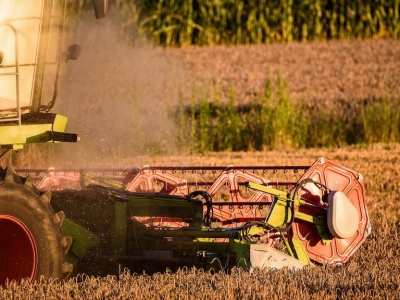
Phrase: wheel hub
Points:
(18, 252)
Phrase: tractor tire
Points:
(31, 244)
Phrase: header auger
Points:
(54, 223)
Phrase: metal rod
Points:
(16, 74)
(174, 168)
(5, 153)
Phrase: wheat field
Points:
(372, 273)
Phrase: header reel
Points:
(270, 216)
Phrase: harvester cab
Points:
(31, 54)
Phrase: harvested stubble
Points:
(372, 273)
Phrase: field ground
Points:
(315, 71)
(372, 273)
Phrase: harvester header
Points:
(152, 218)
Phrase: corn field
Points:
(175, 23)
(234, 22)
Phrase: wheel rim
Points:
(18, 252)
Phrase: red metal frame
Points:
(225, 184)
(336, 178)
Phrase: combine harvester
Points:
(55, 223)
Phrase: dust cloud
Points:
(116, 97)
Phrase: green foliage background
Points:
(234, 22)
(275, 121)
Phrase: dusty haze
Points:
(118, 97)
